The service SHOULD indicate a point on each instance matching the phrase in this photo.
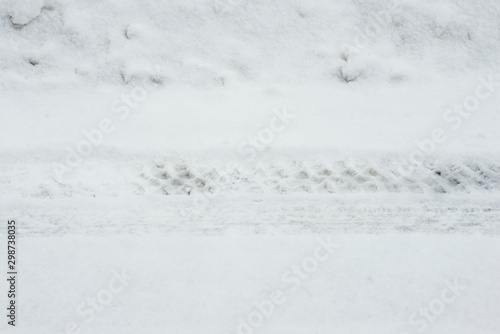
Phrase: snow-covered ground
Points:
(205, 147)
(320, 284)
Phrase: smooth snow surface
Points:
(204, 146)
(368, 284)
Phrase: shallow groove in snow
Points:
(259, 214)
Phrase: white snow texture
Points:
(173, 166)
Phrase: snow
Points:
(198, 42)
(192, 284)
(204, 147)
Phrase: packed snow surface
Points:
(173, 160)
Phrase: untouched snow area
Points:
(186, 166)
(367, 284)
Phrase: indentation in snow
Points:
(181, 177)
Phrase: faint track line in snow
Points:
(263, 215)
